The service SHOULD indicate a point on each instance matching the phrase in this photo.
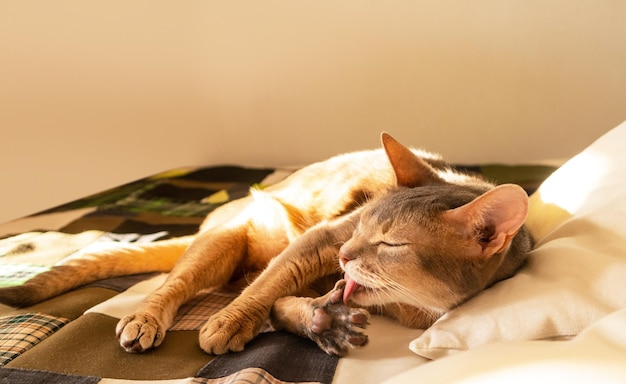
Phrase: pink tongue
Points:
(351, 285)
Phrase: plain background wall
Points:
(97, 93)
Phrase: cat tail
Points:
(82, 268)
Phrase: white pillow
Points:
(575, 275)
(596, 355)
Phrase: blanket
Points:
(70, 338)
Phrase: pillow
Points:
(596, 355)
(575, 275)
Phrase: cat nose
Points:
(344, 258)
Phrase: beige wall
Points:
(93, 94)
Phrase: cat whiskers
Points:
(383, 289)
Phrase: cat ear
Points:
(492, 219)
(411, 170)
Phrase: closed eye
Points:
(390, 244)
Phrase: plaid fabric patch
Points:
(192, 315)
(18, 333)
(249, 375)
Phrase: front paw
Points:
(230, 330)
(335, 327)
(139, 332)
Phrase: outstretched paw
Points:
(231, 329)
(335, 327)
(139, 332)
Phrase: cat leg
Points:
(240, 236)
(118, 260)
(307, 258)
(334, 326)
(208, 262)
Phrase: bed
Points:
(561, 317)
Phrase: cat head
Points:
(430, 243)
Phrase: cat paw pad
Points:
(335, 327)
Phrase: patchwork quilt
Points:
(70, 338)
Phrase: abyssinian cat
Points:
(414, 240)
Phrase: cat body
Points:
(413, 238)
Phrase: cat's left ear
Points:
(492, 219)
(411, 170)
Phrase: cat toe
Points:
(359, 318)
(337, 291)
(228, 331)
(218, 338)
(358, 340)
(139, 332)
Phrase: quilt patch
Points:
(281, 354)
(249, 375)
(22, 376)
(19, 333)
(193, 314)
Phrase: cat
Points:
(413, 238)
